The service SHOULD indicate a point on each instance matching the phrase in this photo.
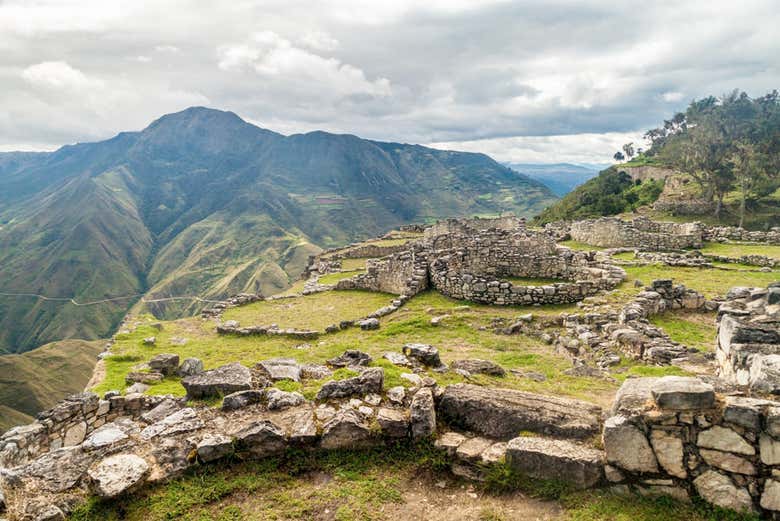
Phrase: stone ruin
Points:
(611, 232)
(472, 259)
(748, 352)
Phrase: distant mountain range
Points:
(203, 203)
(561, 178)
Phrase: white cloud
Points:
(319, 41)
(58, 76)
(672, 96)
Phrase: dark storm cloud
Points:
(519, 79)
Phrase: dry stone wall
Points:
(748, 350)
(732, 233)
(402, 273)
(611, 232)
(676, 436)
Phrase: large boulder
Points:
(218, 382)
(393, 422)
(368, 382)
(423, 353)
(117, 474)
(682, 393)
(503, 413)
(543, 458)
(165, 363)
(345, 430)
(190, 366)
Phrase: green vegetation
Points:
(691, 329)
(38, 379)
(388, 483)
(736, 250)
(611, 192)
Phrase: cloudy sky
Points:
(542, 81)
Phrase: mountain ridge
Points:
(201, 202)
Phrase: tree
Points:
(628, 148)
(619, 156)
(748, 170)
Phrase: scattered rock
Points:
(393, 422)
(412, 378)
(278, 400)
(370, 381)
(351, 358)
(214, 447)
(423, 353)
(261, 438)
(163, 410)
(241, 399)
(190, 366)
(184, 420)
(315, 372)
(149, 341)
(277, 369)
(396, 395)
(345, 430)
(218, 382)
(144, 378)
(449, 442)
(369, 324)
(105, 436)
(117, 474)
(137, 388)
(166, 364)
(397, 359)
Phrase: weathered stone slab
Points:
(471, 450)
(719, 490)
(105, 436)
(165, 363)
(477, 366)
(278, 399)
(184, 420)
(241, 399)
(393, 422)
(117, 474)
(682, 393)
(627, 447)
(449, 442)
(261, 438)
(190, 366)
(277, 369)
(214, 447)
(769, 449)
(422, 414)
(345, 430)
(560, 460)
(727, 461)
(668, 448)
(503, 413)
(770, 499)
(724, 439)
(218, 382)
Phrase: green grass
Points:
(736, 249)
(576, 245)
(315, 311)
(334, 278)
(467, 333)
(698, 330)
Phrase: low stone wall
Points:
(611, 232)
(748, 350)
(752, 260)
(508, 223)
(68, 424)
(732, 233)
(675, 436)
(402, 273)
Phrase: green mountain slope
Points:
(31, 382)
(561, 178)
(202, 203)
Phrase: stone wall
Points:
(675, 436)
(732, 233)
(402, 273)
(611, 232)
(68, 423)
(470, 227)
(748, 350)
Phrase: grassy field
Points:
(735, 249)
(692, 329)
(466, 332)
(392, 483)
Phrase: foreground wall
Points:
(611, 232)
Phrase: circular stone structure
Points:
(477, 267)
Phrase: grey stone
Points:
(744, 412)
(218, 382)
(627, 447)
(682, 393)
(351, 358)
(773, 421)
(369, 324)
(345, 430)
(412, 378)
(543, 458)
(278, 399)
(315, 372)
(727, 461)
(117, 474)
(397, 359)
(476, 366)
(769, 449)
(184, 420)
(724, 439)
(719, 490)
(261, 438)
(770, 499)
(214, 447)
(137, 388)
(494, 454)
(165, 363)
(162, 410)
(277, 369)
(471, 449)
(105, 436)
(143, 378)
(393, 422)
(370, 381)
(303, 428)
(449, 442)
(502, 413)
(423, 353)
(75, 434)
(668, 449)
(422, 414)
(241, 399)
(396, 395)
(190, 366)
(634, 396)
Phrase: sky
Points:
(546, 81)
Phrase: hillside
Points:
(716, 162)
(37, 380)
(561, 178)
(202, 203)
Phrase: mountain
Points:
(202, 203)
(561, 178)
